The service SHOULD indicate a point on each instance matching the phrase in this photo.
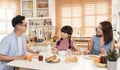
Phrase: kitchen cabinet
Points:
(35, 8)
(40, 17)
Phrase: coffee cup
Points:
(40, 57)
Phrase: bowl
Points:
(62, 53)
(40, 40)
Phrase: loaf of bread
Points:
(74, 59)
(56, 60)
(67, 59)
(71, 59)
(51, 58)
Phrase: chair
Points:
(82, 42)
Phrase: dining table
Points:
(83, 63)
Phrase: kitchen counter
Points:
(39, 43)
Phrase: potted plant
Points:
(112, 57)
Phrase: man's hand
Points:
(21, 57)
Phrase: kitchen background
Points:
(46, 17)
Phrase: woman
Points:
(65, 41)
(103, 41)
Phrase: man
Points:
(13, 46)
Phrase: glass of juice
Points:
(28, 57)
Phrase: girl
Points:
(65, 41)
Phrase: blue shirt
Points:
(9, 47)
(96, 45)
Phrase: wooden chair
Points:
(16, 68)
(82, 42)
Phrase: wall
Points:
(116, 17)
(115, 11)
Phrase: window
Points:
(6, 20)
(82, 15)
(70, 16)
(8, 9)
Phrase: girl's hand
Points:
(55, 50)
(76, 52)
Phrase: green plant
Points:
(112, 55)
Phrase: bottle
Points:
(49, 50)
(69, 52)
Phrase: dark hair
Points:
(17, 20)
(107, 31)
(69, 31)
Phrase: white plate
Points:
(91, 57)
(100, 65)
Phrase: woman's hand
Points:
(103, 51)
(86, 52)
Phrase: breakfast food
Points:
(67, 59)
(28, 57)
(53, 59)
(56, 60)
(71, 59)
(74, 59)
(100, 62)
(97, 60)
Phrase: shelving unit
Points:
(40, 28)
(40, 23)
(35, 8)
